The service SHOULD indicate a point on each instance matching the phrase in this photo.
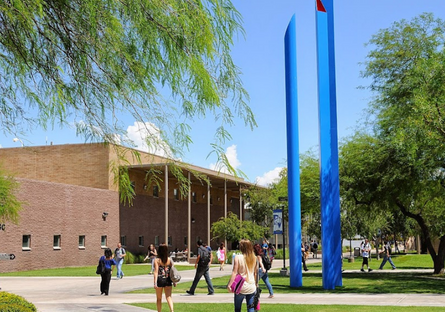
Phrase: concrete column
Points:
(166, 204)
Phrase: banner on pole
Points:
(278, 221)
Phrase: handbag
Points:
(256, 299)
(100, 267)
(237, 284)
(174, 275)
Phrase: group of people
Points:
(249, 264)
(365, 248)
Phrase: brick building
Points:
(72, 210)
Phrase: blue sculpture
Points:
(329, 180)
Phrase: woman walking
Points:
(221, 254)
(152, 254)
(262, 271)
(247, 266)
(162, 280)
(109, 262)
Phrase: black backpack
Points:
(266, 262)
(204, 258)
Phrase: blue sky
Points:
(260, 55)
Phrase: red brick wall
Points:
(60, 209)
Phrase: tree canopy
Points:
(90, 61)
(404, 163)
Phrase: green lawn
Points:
(374, 282)
(129, 270)
(223, 307)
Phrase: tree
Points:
(407, 72)
(90, 61)
(9, 204)
(232, 229)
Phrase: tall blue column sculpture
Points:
(329, 179)
(293, 160)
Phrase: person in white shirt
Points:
(366, 253)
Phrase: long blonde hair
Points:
(246, 247)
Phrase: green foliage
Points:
(89, 62)
(232, 229)
(399, 165)
(14, 303)
(9, 204)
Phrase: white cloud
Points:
(269, 177)
(141, 133)
(232, 157)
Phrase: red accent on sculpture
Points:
(320, 6)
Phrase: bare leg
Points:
(168, 297)
(159, 298)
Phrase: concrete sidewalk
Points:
(55, 294)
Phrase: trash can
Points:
(356, 252)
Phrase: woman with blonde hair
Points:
(162, 280)
(247, 266)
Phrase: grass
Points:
(129, 270)
(223, 307)
(353, 282)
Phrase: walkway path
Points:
(80, 294)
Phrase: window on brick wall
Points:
(176, 194)
(141, 241)
(26, 242)
(155, 191)
(156, 240)
(124, 240)
(103, 241)
(194, 197)
(56, 242)
(81, 241)
(170, 241)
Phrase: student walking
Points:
(366, 253)
(387, 256)
(162, 280)
(119, 254)
(245, 265)
(221, 254)
(109, 262)
(152, 254)
(262, 270)
(202, 268)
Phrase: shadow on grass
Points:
(370, 283)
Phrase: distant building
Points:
(72, 209)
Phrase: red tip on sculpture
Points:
(320, 6)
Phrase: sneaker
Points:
(394, 268)
(362, 270)
(210, 294)
(271, 296)
(189, 293)
(369, 270)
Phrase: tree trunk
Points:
(438, 259)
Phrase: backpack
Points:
(204, 258)
(315, 245)
(266, 262)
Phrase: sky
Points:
(260, 154)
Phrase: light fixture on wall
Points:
(193, 220)
(203, 196)
(104, 215)
(219, 198)
(145, 187)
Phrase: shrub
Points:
(13, 303)
(129, 258)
